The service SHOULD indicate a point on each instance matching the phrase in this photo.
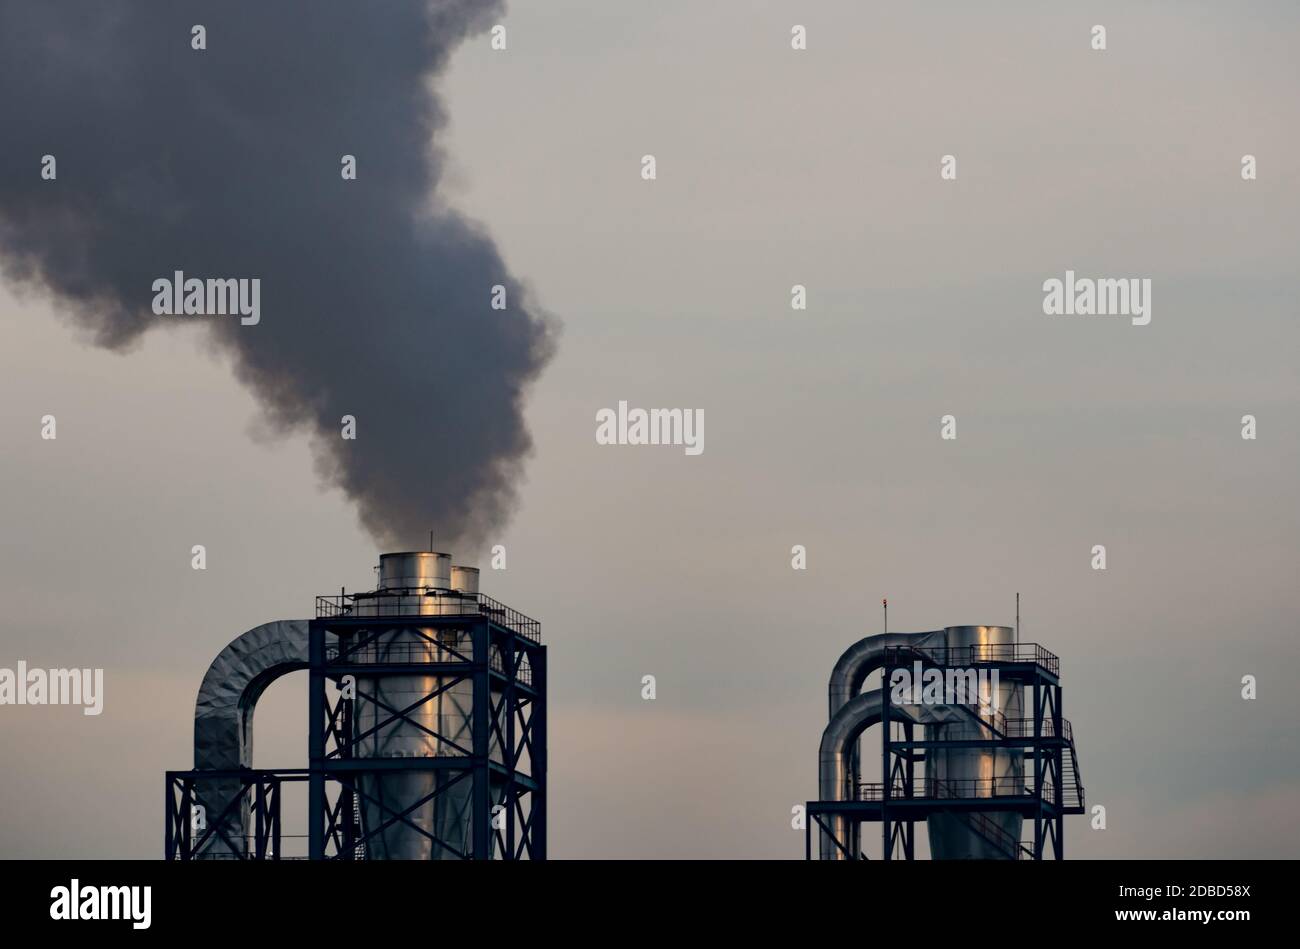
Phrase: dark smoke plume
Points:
(226, 163)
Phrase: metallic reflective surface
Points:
(952, 838)
(421, 568)
(405, 582)
(437, 710)
(417, 583)
(223, 716)
(838, 756)
(464, 579)
(852, 713)
(866, 656)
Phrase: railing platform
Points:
(390, 604)
(981, 654)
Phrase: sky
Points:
(775, 167)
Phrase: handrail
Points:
(395, 602)
(995, 835)
(944, 789)
(976, 654)
(419, 653)
(996, 722)
(981, 824)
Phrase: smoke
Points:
(226, 163)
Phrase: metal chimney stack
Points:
(440, 721)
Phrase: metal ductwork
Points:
(416, 583)
(837, 762)
(865, 657)
(223, 719)
(426, 729)
(838, 757)
(852, 712)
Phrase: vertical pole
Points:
(909, 787)
(169, 842)
(259, 818)
(1038, 767)
(347, 807)
(537, 809)
(510, 702)
(316, 742)
(187, 820)
(481, 827)
(884, 768)
(1058, 755)
(276, 842)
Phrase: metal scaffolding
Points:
(505, 764)
(902, 798)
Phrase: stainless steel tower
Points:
(427, 735)
(977, 790)
(959, 761)
(440, 717)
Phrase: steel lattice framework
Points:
(903, 798)
(506, 665)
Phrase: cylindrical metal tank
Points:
(406, 582)
(464, 579)
(976, 772)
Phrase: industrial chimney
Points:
(430, 744)
(440, 718)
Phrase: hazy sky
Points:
(775, 168)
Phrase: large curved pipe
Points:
(837, 766)
(837, 772)
(223, 719)
(851, 713)
(851, 670)
(865, 657)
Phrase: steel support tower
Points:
(506, 664)
(1044, 797)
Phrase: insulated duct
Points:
(852, 712)
(851, 670)
(423, 667)
(223, 720)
